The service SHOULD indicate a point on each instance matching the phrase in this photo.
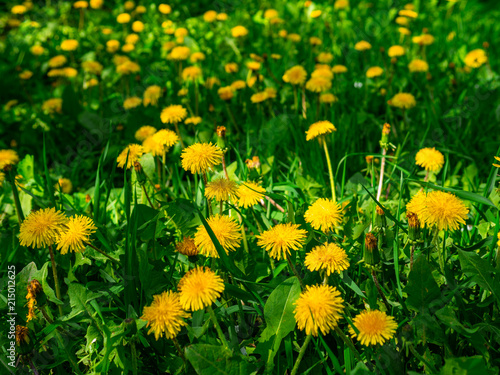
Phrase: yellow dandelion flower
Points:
(165, 315)
(324, 58)
(220, 189)
(53, 105)
(494, 164)
(226, 230)
(18, 9)
(197, 56)
(423, 40)
(210, 16)
(444, 211)
(92, 67)
(41, 228)
(296, 75)
(417, 205)
(37, 50)
(328, 98)
(282, 238)
(8, 157)
(375, 327)
(271, 13)
(165, 8)
(199, 288)
(231, 67)
(339, 69)
(134, 153)
(179, 53)
(57, 61)
(249, 194)
(151, 95)
(318, 309)
(226, 93)
(322, 71)
(187, 247)
(324, 215)
(76, 235)
(173, 114)
(374, 71)
(112, 45)
(200, 157)
(315, 41)
(396, 51)
(81, 5)
(403, 100)
(191, 73)
(430, 159)
(329, 257)
(69, 45)
(341, 4)
(404, 31)
(194, 120)
(239, 31)
(476, 58)
(132, 39)
(160, 142)
(237, 85)
(144, 132)
(253, 65)
(259, 97)
(318, 84)
(222, 17)
(362, 46)
(65, 185)
(123, 18)
(418, 65)
(132, 102)
(319, 128)
(137, 26)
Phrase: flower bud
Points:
(371, 254)
(414, 226)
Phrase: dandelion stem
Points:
(179, 134)
(217, 327)
(133, 353)
(294, 270)
(179, 350)
(56, 279)
(381, 178)
(330, 171)
(147, 196)
(411, 256)
(379, 289)
(348, 342)
(19, 210)
(103, 253)
(301, 354)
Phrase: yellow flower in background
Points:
(129, 5)
(328, 98)
(322, 71)
(128, 67)
(199, 288)
(220, 189)
(57, 61)
(132, 39)
(18, 9)
(253, 65)
(173, 114)
(81, 5)
(226, 93)
(403, 101)
(151, 95)
(37, 50)
(179, 53)
(270, 13)
(296, 75)
(424, 39)
(69, 45)
(318, 84)
(96, 4)
(210, 16)
(200, 157)
(324, 58)
(318, 309)
(210, 82)
(404, 31)
(194, 120)
(112, 45)
(133, 152)
(259, 97)
(408, 13)
(8, 157)
(239, 31)
(53, 105)
(341, 4)
(92, 67)
(430, 159)
(324, 215)
(65, 185)
(396, 51)
(226, 230)
(375, 327)
(76, 235)
(197, 56)
(476, 58)
(22, 334)
(315, 13)
(137, 27)
(444, 211)
(187, 247)
(362, 46)
(144, 132)
(123, 18)
(128, 48)
(403, 21)
(418, 65)
(339, 69)
(41, 228)
(280, 239)
(165, 315)
(296, 38)
(165, 8)
(231, 68)
(374, 71)
(249, 194)
(160, 142)
(315, 41)
(319, 128)
(191, 73)
(26, 74)
(132, 102)
(222, 17)
(329, 257)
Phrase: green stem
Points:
(133, 352)
(56, 279)
(294, 270)
(19, 210)
(330, 171)
(301, 355)
(217, 327)
(348, 342)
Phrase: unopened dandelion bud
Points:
(380, 220)
(414, 226)
(129, 326)
(486, 45)
(221, 137)
(371, 254)
(23, 342)
(141, 176)
(386, 130)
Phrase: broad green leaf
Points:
(79, 297)
(480, 271)
(466, 366)
(216, 360)
(422, 289)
